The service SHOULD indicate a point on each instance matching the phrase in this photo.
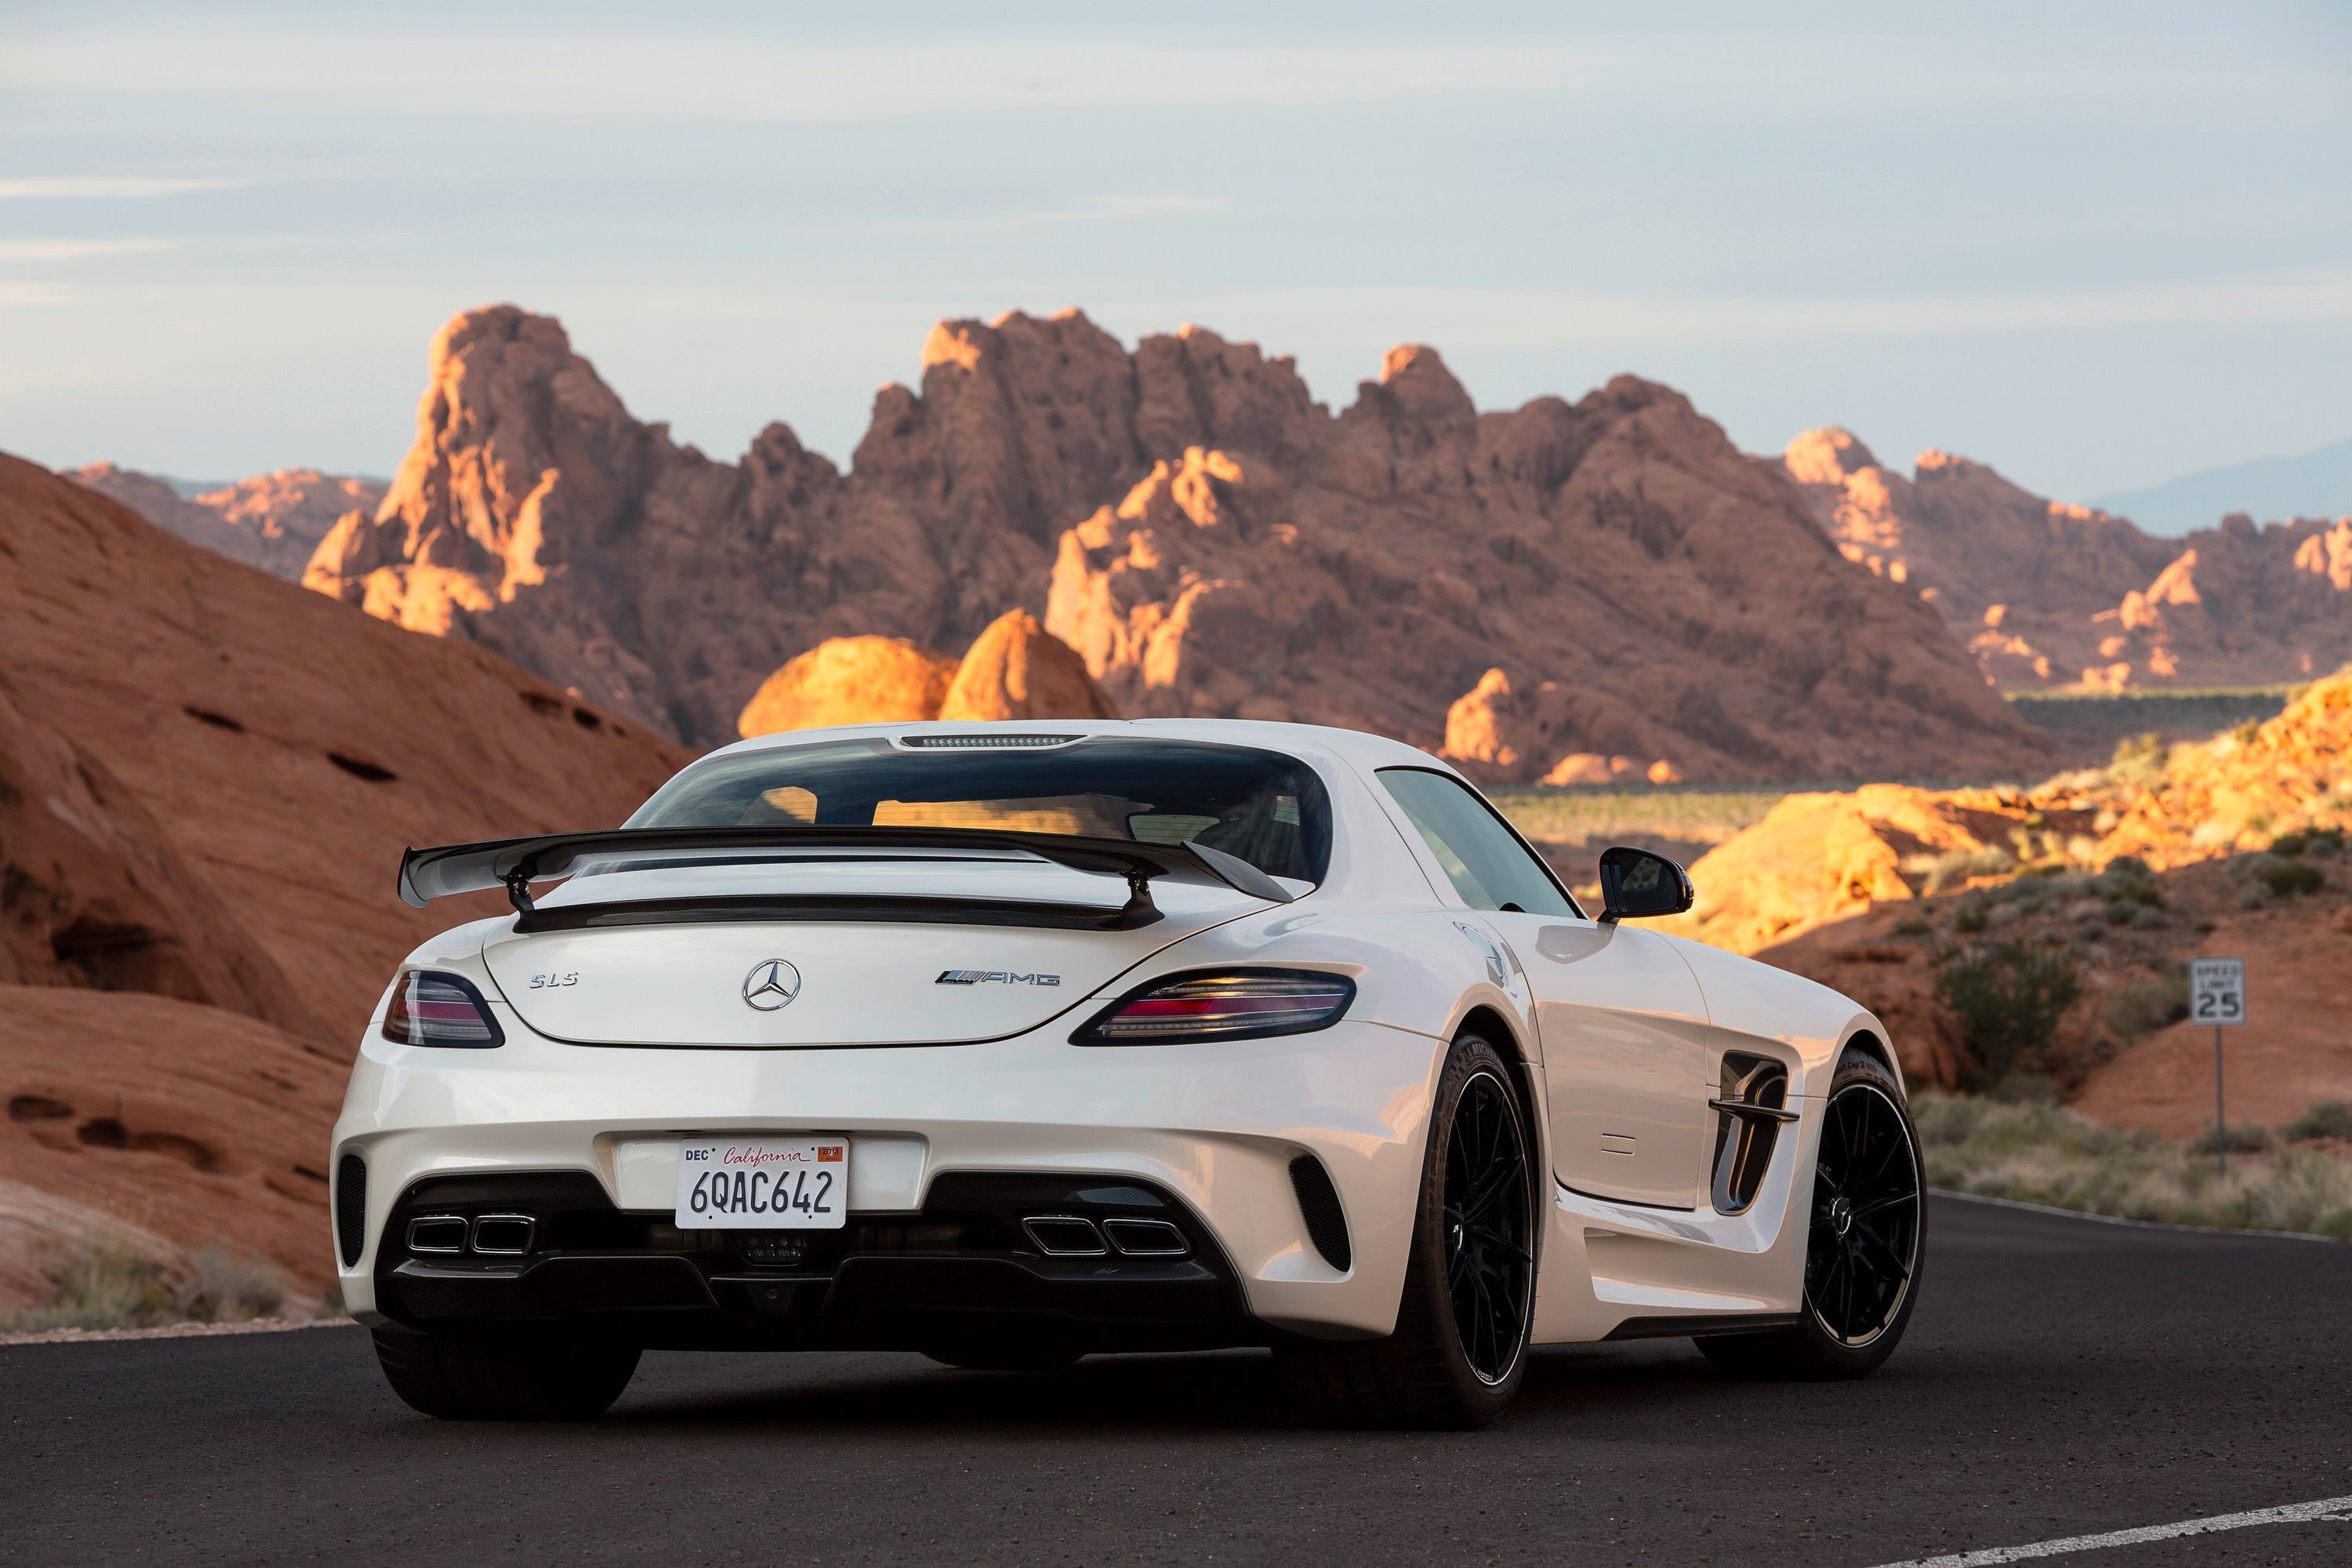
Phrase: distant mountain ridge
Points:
(1208, 537)
(2045, 595)
(2308, 484)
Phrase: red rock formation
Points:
(207, 777)
(1649, 591)
(270, 520)
(850, 681)
(2050, 594)
(1246, 551)
(1015, 669)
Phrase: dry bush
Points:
(2043, 1154)
(105, 1286)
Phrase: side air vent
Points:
(1319, 1205)
(351, 1209)
(984, 742)
(1750, 1113)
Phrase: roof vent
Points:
(985, 742)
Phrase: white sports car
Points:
(1008, 1044)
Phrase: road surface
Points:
(2062, 1378)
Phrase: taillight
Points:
(1231, 1004)
(429, 1008)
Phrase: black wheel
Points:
(548, 1378)
(1460, 1346)
(1866, 1241)
(1005, 1358)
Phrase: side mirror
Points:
(1637, 885)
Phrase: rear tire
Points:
(1867, 1240)
(1460, 1347)
(550, 1377)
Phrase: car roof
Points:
(1357, 746)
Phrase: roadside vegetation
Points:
(104, 1286)
(2296, 1178)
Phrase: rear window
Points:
(1266, 807)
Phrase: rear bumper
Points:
(1210, 1130)
(962, 1272)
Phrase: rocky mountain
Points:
(2129, 869)
(207, 777)
(272, 522)
(1207, 537)
(1013, 669)
(2046, 594)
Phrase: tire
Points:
(1006, 1358)
(1846, 1330)
(548, 1378)
(1445, 1366)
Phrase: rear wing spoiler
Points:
(515, 863)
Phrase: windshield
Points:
(1266, 809)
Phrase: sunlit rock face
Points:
(2049, 595)
(1207, 537)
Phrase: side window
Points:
(1489, 867)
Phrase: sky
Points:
(2097, 246)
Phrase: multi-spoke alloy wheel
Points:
(1489, 1264)
(1865, 1239)
(1460, 1346)
(1866, 1217)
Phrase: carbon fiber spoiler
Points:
(515, 863)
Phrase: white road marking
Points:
(2338, 1509)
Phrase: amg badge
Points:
(980, 977)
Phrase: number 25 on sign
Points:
(2217, 995)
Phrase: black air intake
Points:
(1319, 1205)
(351, 1208)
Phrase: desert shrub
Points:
(224, 1288)
(2041, 1153)
(2244, 734)
(2140, 759)
(2145, 1006)
(2291, 879)
(2253, 896)
(2147, 917)
(2326, 1118)
(1969, 918)
(1914, 925)
(2006, 1000)
(2238, 1137)
(104, 1286)
(1957, 866)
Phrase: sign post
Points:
(2217, 995)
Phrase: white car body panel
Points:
(1621, 1034)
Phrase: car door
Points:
(1621, 1019)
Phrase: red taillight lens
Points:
(1236, 1004)
(429, 1008)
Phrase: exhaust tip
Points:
(1064, 1235)
(503, 1235)
(438, 1232)
(1146, 1237)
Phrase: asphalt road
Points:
(2061, 1378)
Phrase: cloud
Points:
(1515, 318)
(745, 80)
(78, 250)
(13, 294)
(1132, 208)
(103, 188)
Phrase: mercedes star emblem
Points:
(772, 983)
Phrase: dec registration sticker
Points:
(764, 1183)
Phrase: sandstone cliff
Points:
(2050, 594)
(272, 522)
(207, 777)
(1207, 537)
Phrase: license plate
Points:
(764, 1183)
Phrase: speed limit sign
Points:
(2217, 991)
